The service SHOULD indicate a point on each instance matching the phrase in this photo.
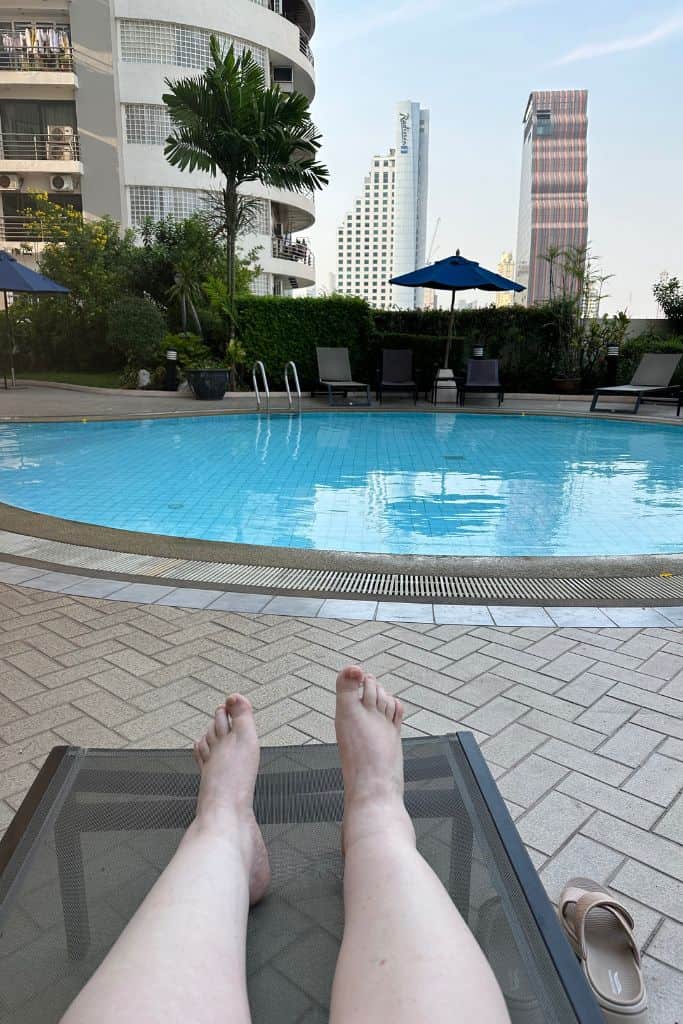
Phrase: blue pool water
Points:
(398, 483)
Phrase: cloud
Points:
(672, 26)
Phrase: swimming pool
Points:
(396, 483)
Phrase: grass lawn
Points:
(111, 379)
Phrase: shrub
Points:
(135, 330)
(633, 349)
(191, 350)
(279, 329)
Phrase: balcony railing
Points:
(277, 7)
(16, 228)
(23, 59)
(305, 46)
(297, 250)
(50, 146)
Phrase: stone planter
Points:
(567, 385)
(208, 385)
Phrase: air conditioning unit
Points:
(10, 182)
(61, 142)
(283, 77)
(62, 183)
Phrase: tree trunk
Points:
(230, 208)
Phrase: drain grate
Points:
(408, 586)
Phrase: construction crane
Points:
(432, 250)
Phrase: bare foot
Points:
(228, 758)
(368, 724)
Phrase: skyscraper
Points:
(506, 268)
(385, 232)
(553, 202)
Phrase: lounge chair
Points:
(651, 379)
(483, 375)
(396, 372)
(334, 371)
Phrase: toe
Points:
(241, 715)
(203, 748)
(220, 722)
(370, 691)
(350, 679)
(196, 757)
(390, 709)
(398, 714)
(382, 699)
(211, 735)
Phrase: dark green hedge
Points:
(633, 349)
(279, 329)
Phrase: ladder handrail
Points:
(296, 382)
(266, 390)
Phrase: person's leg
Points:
(182, 956)
(407, 956)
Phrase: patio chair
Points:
(483, 375)
(334, 371)
(651, 379)
(396, 372)
(98, 826)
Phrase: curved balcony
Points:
(296, 250)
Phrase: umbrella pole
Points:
(9, 343)
(450, 332)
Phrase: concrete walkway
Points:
(583, 728)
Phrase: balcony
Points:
(298, 15)
(296, 250)
(51, 153)
(26, 235)
(25, 60)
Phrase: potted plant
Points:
(209, 383)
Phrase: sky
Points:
(473, 65)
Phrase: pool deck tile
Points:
(638, 617)
(505, 615)
(95, 587)
(462, 615)
(54, 683)
(580, 617)
(190, 597)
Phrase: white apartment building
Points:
(384, 234)
(81, 115)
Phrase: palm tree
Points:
(226, 121)
(186, 289)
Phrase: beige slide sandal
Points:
(600, 930)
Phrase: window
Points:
(147, 123)
(156, 42)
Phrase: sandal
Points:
(600, 930)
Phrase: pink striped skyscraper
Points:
(553, 202)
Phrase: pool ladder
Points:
(259, 369)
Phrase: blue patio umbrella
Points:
(456, 274)
(15, 277)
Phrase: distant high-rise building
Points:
(385, 232)
(553, 202)
(506, 268)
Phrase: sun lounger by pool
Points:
(334, 371)
(483, 375)
(396, 372)
(652, 379)
(98, 826)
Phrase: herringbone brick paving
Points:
(583, 729)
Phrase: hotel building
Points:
(384, 234)
(553, 203)
(81, 114)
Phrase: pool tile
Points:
(339, 609)
(399, 611)
(505, 615)
(462, 615)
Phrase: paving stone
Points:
(670, 824)
(320, 727)
(480, 690)
(561, 729)
(106, 708)
(282, 713)
(433, 724)
(675, 614)
(466, 614)
(654, 889)
(550, 823)
(636, 617)
(644, 645)
(140, 593)
(33, 748)
(16, 780)
(579, 857)
(517, 674)
(668, 726)
(29, 725)
(551, 647)
(606, 715)
(163, 695)
(667, 945)
(520, 659)
(608, 798)
(672, 748)
(284, 736)
(530, 779)
(452, 709)
(471, 666)
(506, 636)
(121, 684)
(340, 609)
(86, 732)
(495, 715)
(660, 780)
(96, 587)
(512, 744)
(631, 744)
(359, 651)
(644, 699)
(544, 702)
(578, 617)
(461, 646)
(504, 615)
(155, 721)
(35, 664)
(603, 656)
(293, 606)
(585, 761)
(637, 843)
(396, 611)
(289, 685)
(318, 700)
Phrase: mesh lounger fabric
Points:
(109, 821)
